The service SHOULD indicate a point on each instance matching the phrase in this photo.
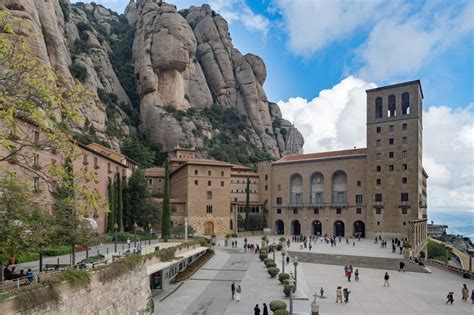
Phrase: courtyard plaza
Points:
(208, 290)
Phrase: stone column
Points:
(186, 229)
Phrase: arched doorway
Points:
(209, 228)
(279, 227)
(295, 227)
(317, 228)
(339, 228)
(359, 228)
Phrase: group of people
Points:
(234, 244)
(464, 295)
(342, 293)
(348, 270)
(11, 274)
(235, 292)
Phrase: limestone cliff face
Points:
(155, 61)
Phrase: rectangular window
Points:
(390, 155)
(36, 159)
(196, 172)
(404, 180)
(209, 183)
(338, 211)
(378, 142)
(404, 126)
(278, 211)
(404, 197)
(378, 168)
(378, 197)
(196, 182)
(222, 173)
(36, 138)
(209, 209)
(150, 181)
(222, 183)
(209, 172)
(36, 183)
(96, 163)
(404, 140)
(266, 177)
(266, 187)
(209, 195)
(278, 200)
(379, 129)
(378, 211)
(279, 187)
(390, 128)
(404, 167)
(404, 154)
(109, 169)
(378, 181)
(404, 210)
(378, 156)
(358, 199)
(358, 210)
(391, 141)
(295, 211)
(316, 210)
(390, 168)
(359, 183)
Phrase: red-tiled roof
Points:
(200, 161)
(321, 155)
(155, 171)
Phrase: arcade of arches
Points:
(337, 228)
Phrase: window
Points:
(150, 181)
(404, 167)
(358, 210)
(378, 142)
(378, 156)
(390, 155)
(295, 211)
(378, 181)
(379, 129)
(35, 183)
(316, 210)
(209, 195)
(404, 140)
(392, 112)
(266, 177)
(404, 180)
(279, 187)
(378, 168)
(404, 197)
(378, 107)
(96, 163)
(404, 223)
(278, 200)
(109, 168)
(209, 172)
(378, 211)
(404, 210)
(378, 222)
(222, 173)
(266, 187)
(196, 172)
(36, 138)
(359, 183)
(405, 103)
(209, 209)
(209, 183)
(222, 183)
(391, 128)
(359, 199)
(196, 182)
(338, 211)
(378, 197)
(35, 160)
(391, 141)
(404, 154)
(278, 211)
(390, 168)
(404, 126)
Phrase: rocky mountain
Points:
(169, 77)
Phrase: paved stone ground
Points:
(208, 291)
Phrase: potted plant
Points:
(407, 250)
(273, 271)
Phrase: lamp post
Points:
(295, 262)
(291, 284)
(115, 243)
(135, 234)
(314, 306)
(283, 253)
(273, 249)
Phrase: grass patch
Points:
(92, 259)
(76, 277)
(58, 250)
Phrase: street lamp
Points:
(135, 234)
(291, 284)
(283, 253)
(314, 306)
(273, 247)
(115, 244)
(295, 262)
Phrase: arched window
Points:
(405, 103)
(296, 189)
(339, 187)
(392, 111)
(378, 107)
(317, 188)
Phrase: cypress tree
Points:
(112, 202)
(166, 213)
(119, 191)
(247, 205)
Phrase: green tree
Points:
(111, 219)
(119, 198)
(247, 205)
(135, 150)
(139, 206)
(166, 215)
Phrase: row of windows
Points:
(359, 199)
(404, 210)
(317, 210)
(378, 181)
(209, 183)
(391, 141)
(243, 191)
(209, 173)
(150, 181)
(403, 197)
(85, 161)
(242, 182)
(392, 110)
(391, 128)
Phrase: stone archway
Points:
(317, 227)
(209, 228)
(295, 227)
(279, 227)
(359, 228)
(339, 228)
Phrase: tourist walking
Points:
(322, 292)
(287, 260)
(464, 293)
(402, 266)
(256, 310)
(265, 309)
(450, 298)
(30, 276)
(128, 243)
(346, 293)
(386, 277)
(338, 295)
(232, 289)
(237, 295)
(472, 296)
(356, 275)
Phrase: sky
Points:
(321, 56)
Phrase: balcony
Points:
(404, 204)
(338, 204)
(316, 202)
(378, 204)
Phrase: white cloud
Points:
(336, 120)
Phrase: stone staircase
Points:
(357, 261)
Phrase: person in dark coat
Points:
(265, 309)
(402, 266)
(256, 310)
(232, 289)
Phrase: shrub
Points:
(91, 259)
(283, 276)
(120, 267)
(271, 265)
(267, 260)
(271, 248)
(282, 239)
(407, 245)
(227, 236)
(286, 289)
(279, 247)
(262, 256)
(213, 236)
(56, 250)
(273, 271)
(281, 312)
(26, 257)
(76, 277)
(78, 71)
(264, 238)
(277, 305)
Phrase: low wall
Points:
(456, 270)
